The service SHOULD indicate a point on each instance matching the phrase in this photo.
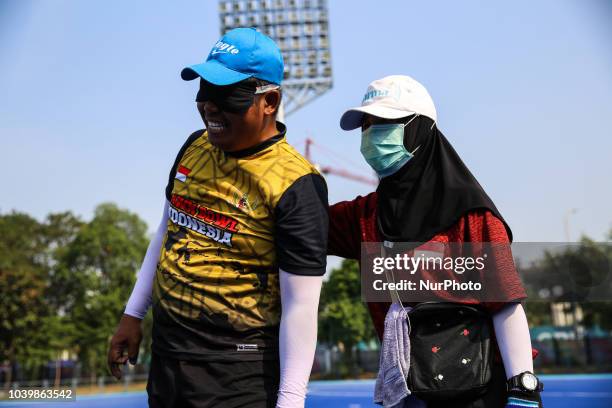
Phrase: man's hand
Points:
(127, 337)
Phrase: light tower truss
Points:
(301, 30)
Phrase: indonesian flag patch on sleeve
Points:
(182, 173)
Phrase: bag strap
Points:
(395, 297)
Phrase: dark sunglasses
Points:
(235, 98)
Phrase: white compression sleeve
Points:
(298, 336)
(141, 296)
(512, 333)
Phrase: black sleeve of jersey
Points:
(302, 224)
(189, 141)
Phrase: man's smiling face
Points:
(230, 131)
(236, 122)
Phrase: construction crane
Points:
(336, 171)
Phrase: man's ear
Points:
(272, 101)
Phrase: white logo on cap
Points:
(224, 48)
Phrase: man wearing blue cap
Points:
(243, 235)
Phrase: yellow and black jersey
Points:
(234, 220)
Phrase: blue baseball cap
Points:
(240, 54)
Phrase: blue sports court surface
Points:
(562, 391)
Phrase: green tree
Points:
(35, 327)
(22, 288)
(64, 284)
(592, 265)
(99, 268)
(578, 269)
(344, 319)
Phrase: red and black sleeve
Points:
(483, 226)
(344, 231)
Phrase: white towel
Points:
(391, 384)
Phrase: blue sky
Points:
(92, 108)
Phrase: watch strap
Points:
(515, 382)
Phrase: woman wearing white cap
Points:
(427, 194)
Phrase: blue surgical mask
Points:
(382, 146)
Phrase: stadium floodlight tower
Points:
(301, 30)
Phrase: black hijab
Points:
(431, 192)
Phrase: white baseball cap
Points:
(391, 97)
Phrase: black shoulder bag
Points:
(450, 350)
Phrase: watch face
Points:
(529, 381)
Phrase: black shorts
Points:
(203, 384)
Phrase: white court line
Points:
(595, 377)
(577, 394)
(545, 394)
